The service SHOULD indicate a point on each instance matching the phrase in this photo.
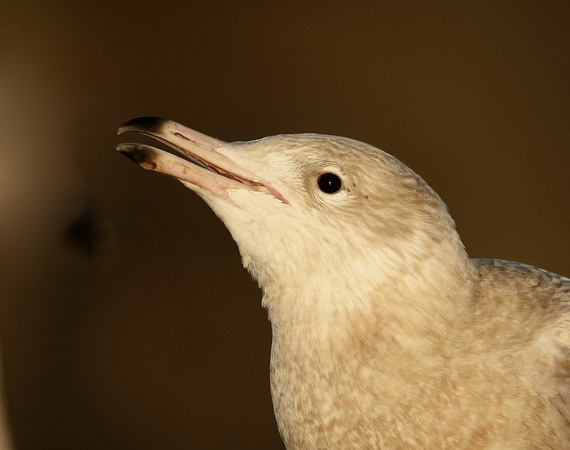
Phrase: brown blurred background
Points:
(163, 344)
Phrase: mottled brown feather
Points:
(385, 334)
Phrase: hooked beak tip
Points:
(143, 125)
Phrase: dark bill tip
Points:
(142, 154)
(143, 125)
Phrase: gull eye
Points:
(329, 183)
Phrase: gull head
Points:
(316, 217)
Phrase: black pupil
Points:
(329, 183)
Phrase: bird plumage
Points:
(385, 333)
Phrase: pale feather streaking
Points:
(385, 333)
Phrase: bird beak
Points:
(204, 168)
